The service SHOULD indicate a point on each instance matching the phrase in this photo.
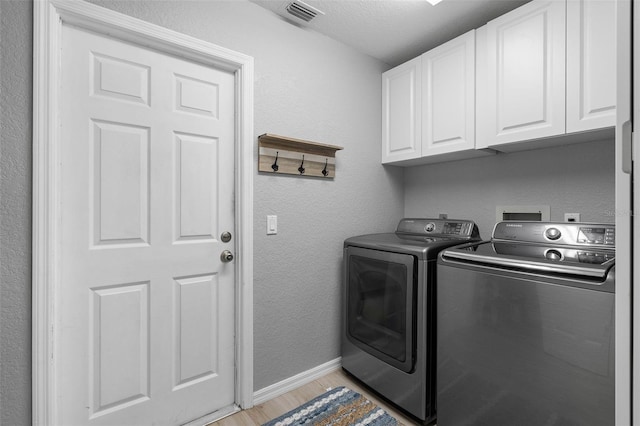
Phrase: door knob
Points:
(226, 256)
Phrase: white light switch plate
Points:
(272, 224)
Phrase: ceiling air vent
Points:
(303, 11)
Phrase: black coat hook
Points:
(325, 172)
(301, 168)
(274, 166)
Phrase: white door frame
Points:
(49, 17)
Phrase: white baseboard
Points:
(296, 381)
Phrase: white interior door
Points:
(145, 310)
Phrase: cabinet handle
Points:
(624, 47)
(627, 138)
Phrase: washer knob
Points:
(552, 233)
(430, 227)
(553, 255)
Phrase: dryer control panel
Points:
(438, 227)
(560, 233)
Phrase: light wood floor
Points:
(266, 411)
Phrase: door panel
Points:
(196, 157)
(120, 79)
(120, 319)
(195, 325)
(146, 314)
(120, 189)
(196, 96)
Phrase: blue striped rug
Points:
(336, 407)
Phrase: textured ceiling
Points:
(395, 31)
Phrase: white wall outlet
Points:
(272, 224)
(572, 217)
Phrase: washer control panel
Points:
(561, 233)
(597, 235)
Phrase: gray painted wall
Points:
(306, 86)
(570, 179)
(15, 212)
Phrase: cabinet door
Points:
(526, 69)
(591, 64)
(448, 100)
(401, 107)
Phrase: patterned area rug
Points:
(336, 407)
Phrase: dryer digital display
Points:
(452, 228)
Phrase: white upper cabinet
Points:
(428, 106)
(448, 97)
(401, 112)
(550, 71)
(544, 70)
(526, 73)
(591, 64)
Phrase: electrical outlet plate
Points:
(572, 217)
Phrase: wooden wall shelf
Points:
(283, 155)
